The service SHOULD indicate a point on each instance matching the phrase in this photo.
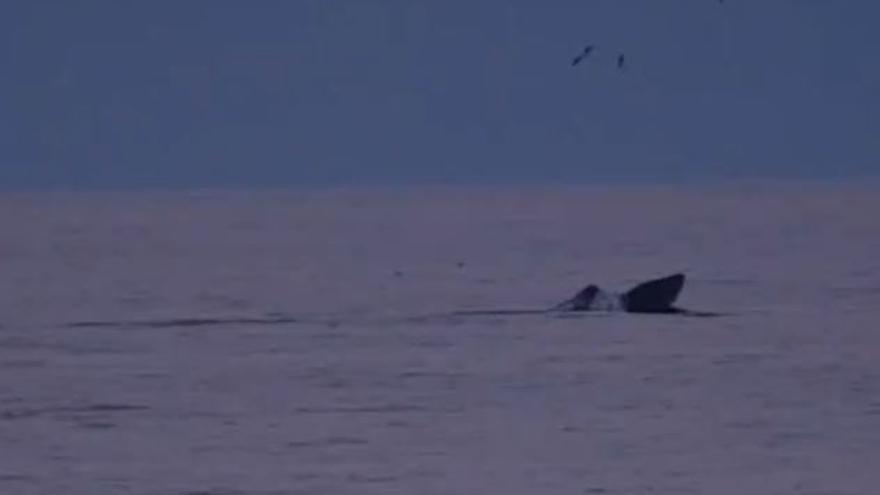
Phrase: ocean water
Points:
(220, 343)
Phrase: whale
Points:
(656, 296)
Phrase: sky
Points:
(305, 93)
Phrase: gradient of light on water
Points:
(319, 342)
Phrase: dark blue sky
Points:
(313, 92)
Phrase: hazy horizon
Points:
(227, 95)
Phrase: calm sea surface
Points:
(220, 343)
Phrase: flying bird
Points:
(621, 62)
(582, 55)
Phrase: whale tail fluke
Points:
(654, 296)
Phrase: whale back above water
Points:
(653, 296)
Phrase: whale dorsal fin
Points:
(654, 296)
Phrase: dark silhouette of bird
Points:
(621, 61)
(582, 55)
